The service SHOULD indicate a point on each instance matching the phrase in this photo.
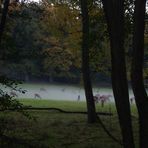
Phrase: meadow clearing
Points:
(53, 129)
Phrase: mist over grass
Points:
(60, 91)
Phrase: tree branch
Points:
(57, 109)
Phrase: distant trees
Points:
(34, 51)
(58, 26)
(61, 36)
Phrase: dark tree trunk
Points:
(114, 11)
(85, 63)
(137, 71)
(3, 17)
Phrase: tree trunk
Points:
(2, 25)
(137, 71)
(3, 17)
(85, 63)
(114, 11)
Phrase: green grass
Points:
(67, 105)
(58, 130)
(72, 105)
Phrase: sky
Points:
(33, 0)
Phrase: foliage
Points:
(61, 38)
(8, 102)
(58, 27)
(36, 32)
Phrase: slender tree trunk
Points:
(114, 11)
(137, 71)
(85, 63)
(3, 17)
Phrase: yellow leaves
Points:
(62, 27)
(57, 57)
(13, 7)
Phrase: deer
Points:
(104, 98)
(132, 99)
(13, 94)
(42, 89)
(96, 98)
(78, 99)
(36, 95)
(63, 89)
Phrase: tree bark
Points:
(137, 71)
(114, 11)
(85, 63)
(3, 17)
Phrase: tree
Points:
(137, 71)
(114, 11)
(99, 47)
(85, 63)
(3, 17)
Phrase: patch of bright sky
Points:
(37, 1)
(33, 1)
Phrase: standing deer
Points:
(104, 98)
(132, 99)
(36, 95)
(78, 98)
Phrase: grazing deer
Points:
(13, 94)
(132, 99)
(96, 98)
(42, 89)
(104, 98)
(36, 95)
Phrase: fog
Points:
(59, 92)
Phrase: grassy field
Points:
(53, 129)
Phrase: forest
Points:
(42, 42)
(81, 42)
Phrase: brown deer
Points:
(104, 98)
(36, 95)
(96, 98)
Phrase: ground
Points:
(53, 129)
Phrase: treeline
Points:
(42, 42)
